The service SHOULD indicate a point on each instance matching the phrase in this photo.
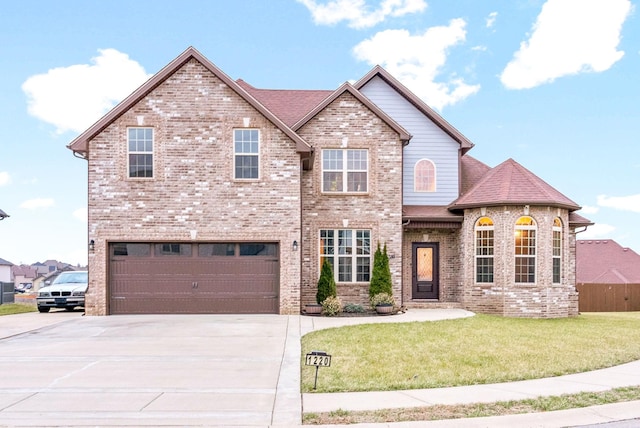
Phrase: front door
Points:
(425, 270)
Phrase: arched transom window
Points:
(525, 250)
(484, 249)
(424, 176)
(557, 251)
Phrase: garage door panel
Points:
(193, 284)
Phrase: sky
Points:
(553, 84)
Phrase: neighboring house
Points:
(5, 270)
(207, 195)
(23, 275)
(607, 276)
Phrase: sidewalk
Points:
(599, 380)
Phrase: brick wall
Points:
(347, 123)
(541, 299)
(193, 191)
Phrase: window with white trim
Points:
(140, 152)
(525, 250)
(349, 252)
(557, 250)
(424, 176)
(345, 170)
(484, 249)
(246, 157)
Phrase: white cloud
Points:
(73, 98)
(81, 214)
(417, 60)
(622, 203)
(491, 19)
(5, 178)
(597, 231)
(569, 37)
(358, 14)
(32, 204)
(588, 209)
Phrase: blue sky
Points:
(552, 84)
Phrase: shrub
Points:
(331, 306)
(381, 275)
(326, 283)
(353, 308)
(382, 299)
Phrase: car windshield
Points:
(71, 277)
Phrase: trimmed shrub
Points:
(326, 283)
(331, 306)
(381, 275)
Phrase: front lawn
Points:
(477, 350)
(15, 308)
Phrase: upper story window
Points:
(345, 170)
(484, 249)
(246, 153)
(557, 250)
(349, 252)
(525, 250)
(140, 150)
(424, 176)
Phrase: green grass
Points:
(501, 408)
(15, 308)
(477, 350)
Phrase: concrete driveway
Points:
(150, 370)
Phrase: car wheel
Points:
(43, 309)
(70, 308)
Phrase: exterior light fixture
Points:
(295, 245)
(92, 245)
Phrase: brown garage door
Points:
(210, 278)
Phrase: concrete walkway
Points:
(63, 369)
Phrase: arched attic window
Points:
(525, 250)
(424, 176)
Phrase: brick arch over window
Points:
(424, 176)
(525, 250)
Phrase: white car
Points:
(66, 291)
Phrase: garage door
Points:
(209, 278)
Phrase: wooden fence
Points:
(608, 297)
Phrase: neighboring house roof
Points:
(80, 144)
(604, 261)
(348, 88)
(289, 105)
(510, 183)
(25, 271)
(4, 262)
(465, 143)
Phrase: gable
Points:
(80, 144)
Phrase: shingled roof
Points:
(510, 183)
(289, 105)
(604, 261)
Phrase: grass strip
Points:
(500, 408)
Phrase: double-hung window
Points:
(349, 252)
(246, 153)
(525, 250)
(140, 150)
(345, 170)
